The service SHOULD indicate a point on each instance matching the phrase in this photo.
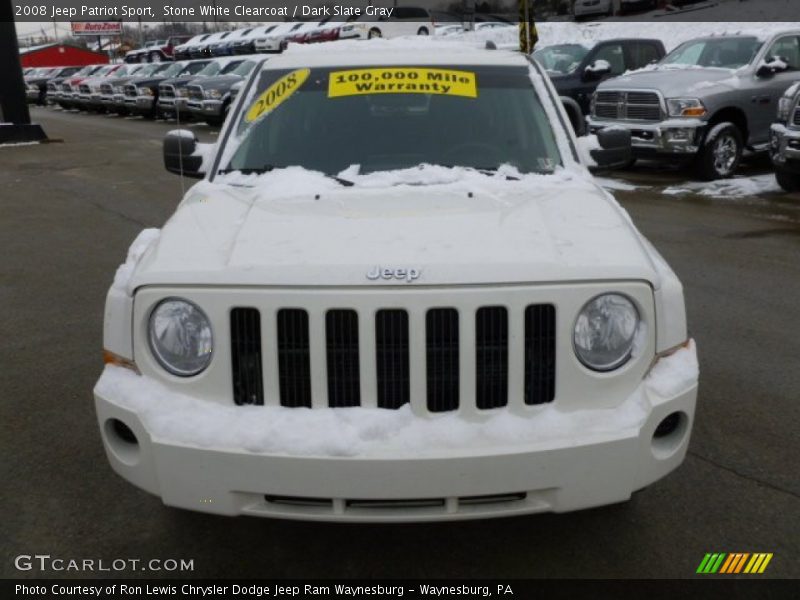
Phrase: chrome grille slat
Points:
(628, 105)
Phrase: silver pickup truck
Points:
(706, 102)
(785, 140)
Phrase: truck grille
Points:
(65, 87)
(389, 367)
(106, 89)
(195, 92)
(130, 91)
(636, 106)
(797, 115)
(84, 89)
(166, 91)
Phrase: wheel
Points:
(374, 33)
(787, 180)
(155, 57)
(721, 152)
(422, 31)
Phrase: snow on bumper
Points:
(674, 136)
(373, 464)
(785, 147)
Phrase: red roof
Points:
(59, 55)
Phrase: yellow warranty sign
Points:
(402, 80)
(276, 94)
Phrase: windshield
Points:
(728, 53)
(243, 69)
(390, 118)
(211, 69)
(230, 67)
(174, 69)
(194, 68)
(563, 58)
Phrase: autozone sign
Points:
(96, 27)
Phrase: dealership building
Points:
(58, 55)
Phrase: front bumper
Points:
(679, 137)
(578, 466)
(785, 147)
(177, 104)
(205, 108)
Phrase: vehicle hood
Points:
(180, 81)
(511, 232)
(222, 82)
(671, 82)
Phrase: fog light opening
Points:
(669, 434)
(122, 441)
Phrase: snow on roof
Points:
(412, 50)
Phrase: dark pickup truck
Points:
(577, 69)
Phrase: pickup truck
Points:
(157, 51)
(785, 140)
(577, 69)
(706, 103)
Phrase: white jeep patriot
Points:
(397, 294)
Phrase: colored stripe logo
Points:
(734, 562)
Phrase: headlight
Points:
(685, 107)
(605, 331)
(784, 106)
(144, 91)
(180, 337)
(213, 94)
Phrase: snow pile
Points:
(181, 419)
(135, 252)
(737, 187)
(617, 185)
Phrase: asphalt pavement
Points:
(69, 210)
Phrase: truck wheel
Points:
(374, 33)
(155, 57)
(721, 152)
(422, 31)
(787, 180)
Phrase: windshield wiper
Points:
(268, 168)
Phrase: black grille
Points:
(491, 357)
(611, 97)
(84, 89)
(130, 91)
(540, 353)
(441, 349)
(637, 106)
(294, 360)
(106, 88)
(341, 334)
(647, 98)
(797, 116)
(195, 92)
(246, 356)
(166, 91)
(643, 113)
(606, 111)
(391, 355)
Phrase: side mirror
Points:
(596, 70)
(615, 150)
(182, 154)
(770, 66)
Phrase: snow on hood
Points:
(457, 226)
(177, 418)
(674, 80)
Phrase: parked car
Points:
(142, 95)
(300, 33)
(36, 86)
(577, 69)
(210, 98)
(225, 47)
(157, 51)
(592, 8)
(405, 20)
(333, 327)
(273, 40)
(88, 97)
(173, 95)
(705, 103)
(67, 94)
(183, 51)
(203, 49)
(112, 90)
(785, 140)
(247, 44)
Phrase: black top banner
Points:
(436, 11)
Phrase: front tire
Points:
(789, 181)
(422, 31)
(721, 152)
(374, 33)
